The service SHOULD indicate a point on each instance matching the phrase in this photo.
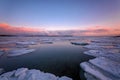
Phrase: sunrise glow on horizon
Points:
(73, 17)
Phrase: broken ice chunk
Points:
(17, 52)
(107, 65)
(22, 76)
(33, 74)
(95, 53)
(20, 71)
(93, 71)
(8, 74)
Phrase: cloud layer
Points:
(6, 29)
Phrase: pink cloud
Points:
(102, 31)
(90, 31)
(97, 31)
(8, 29)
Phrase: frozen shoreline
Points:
(32, 74)
(106, 65)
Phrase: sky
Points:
(74, 17)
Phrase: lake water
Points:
(60, 58)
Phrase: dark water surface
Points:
(60, 58)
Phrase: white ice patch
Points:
(94, 53)
(25, 43)
(8, 74)
(20, 71)
(21, 51)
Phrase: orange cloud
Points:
(4, 25)
(7, 29)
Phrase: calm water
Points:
(60, 58)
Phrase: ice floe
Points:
(33, 74)
(91, 46)
(94, 53)
(106, 65)
(25, 43)
(7, 42)
(91, 70)
(110, 54)
(8, 74)
(46, 42)
(19, 51)
(99, 70)
(80, 43)
(102, 52)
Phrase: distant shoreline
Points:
(36, 36)
(53, 36)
